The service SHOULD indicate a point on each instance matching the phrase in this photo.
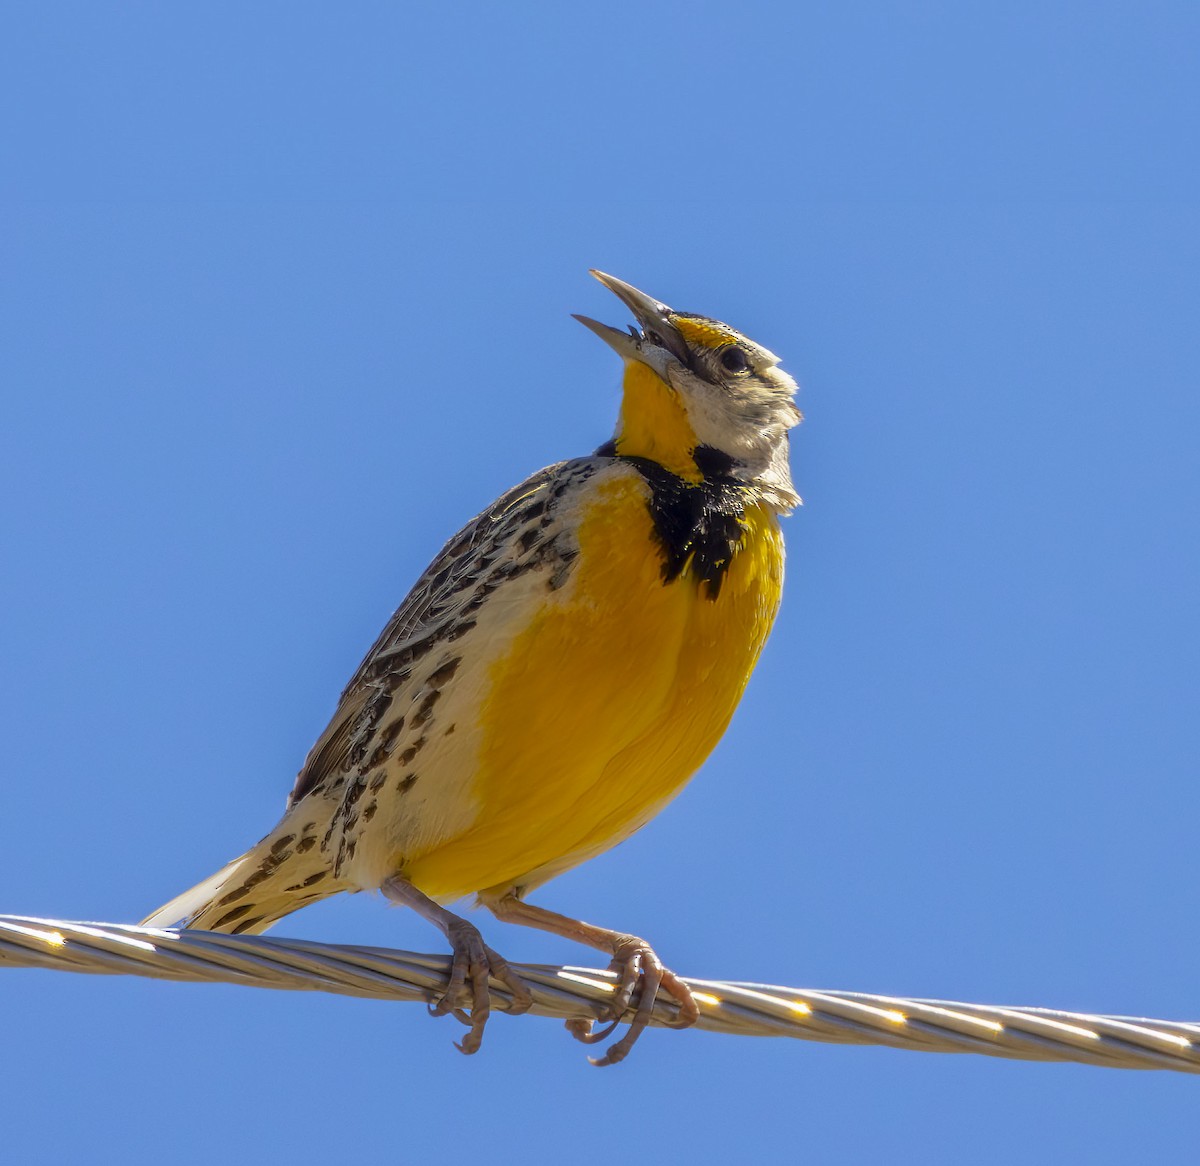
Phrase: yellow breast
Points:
(609, 699)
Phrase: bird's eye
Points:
(733, 359)
(655, 339)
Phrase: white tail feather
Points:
(269, 881)
(184, 908)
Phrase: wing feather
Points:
(435, 601)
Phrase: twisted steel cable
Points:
(1032, 1034)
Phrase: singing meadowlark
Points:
(555, 677)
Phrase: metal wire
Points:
(933, 1026)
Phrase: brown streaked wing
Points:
(432, 604)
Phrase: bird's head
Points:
(700, 398)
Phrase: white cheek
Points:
(715, 417)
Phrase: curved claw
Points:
(627, 962)
(441, 1008)
(689, 1010)
(639, 972)
(638, 965)
(472, 963)
(472, 966)
(522, 998)
(581, 1029)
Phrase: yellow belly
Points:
(608, 701)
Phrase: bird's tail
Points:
(281, 874)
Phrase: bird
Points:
(554, 678)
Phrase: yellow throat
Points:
(654, 424)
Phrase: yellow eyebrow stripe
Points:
(706, 333)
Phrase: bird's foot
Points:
(474, 962)
(639, 970)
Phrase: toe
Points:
(474, 964)
(627, 963)
(652, 977)
(689, 1009)
(522, 998)
(447, 1002)
(640, 972)
(468, 976)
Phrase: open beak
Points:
(651, 315)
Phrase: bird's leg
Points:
(634, 960)
(473, 960)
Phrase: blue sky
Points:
(284, 296)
